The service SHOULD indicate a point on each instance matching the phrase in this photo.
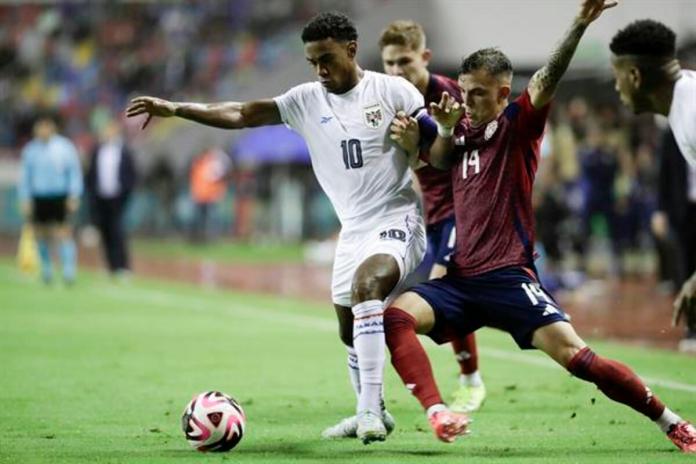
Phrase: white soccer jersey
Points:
(682, 115)
(364, 174)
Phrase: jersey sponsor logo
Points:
(325, 119)
(374, 116)
(490, 130)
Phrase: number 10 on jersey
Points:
(352, 154)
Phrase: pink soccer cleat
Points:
(683, 435)
(449, 425)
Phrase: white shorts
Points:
(402, 237)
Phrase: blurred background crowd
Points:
(605, 195)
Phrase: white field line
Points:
(267, 313)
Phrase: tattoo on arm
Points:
(545, 80)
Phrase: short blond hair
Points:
(405, 33)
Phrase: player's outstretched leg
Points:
(413, 366)
(471, 392)
(614, 379)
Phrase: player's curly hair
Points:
(491, 59)
(329, 25)
(644, 37)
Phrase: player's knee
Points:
(372, 286)
(567, 353)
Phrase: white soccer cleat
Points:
(348, 427)
(370, 427)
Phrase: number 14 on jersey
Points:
(470, 159)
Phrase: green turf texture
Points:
(221, 251)
(101, 372)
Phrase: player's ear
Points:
(427, 55)
(504, 92)
(352, 48)
(635, 77)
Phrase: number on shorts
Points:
(393, 234)
(536, 294)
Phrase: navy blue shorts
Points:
(49, 210)
(509, 299)
(441, 240)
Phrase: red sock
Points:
(467, 355)
(617, 381)
(408, 356)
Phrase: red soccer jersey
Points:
(492, 184)
(436, 184)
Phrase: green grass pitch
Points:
(101, 372)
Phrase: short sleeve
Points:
(405, 96)
(530, 121)
(292, 104)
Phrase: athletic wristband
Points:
(444, 132)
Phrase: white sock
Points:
(369, 344)
(472, 380)
(354, 371)
(435, 408)
(667, 420)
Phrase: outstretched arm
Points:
(543, 84)
(226, 115)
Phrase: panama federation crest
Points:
(374, 116)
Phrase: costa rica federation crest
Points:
(490, 130)
(374, 116)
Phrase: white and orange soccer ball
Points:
(213, 421)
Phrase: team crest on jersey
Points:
(460, 141)
(373, 115)
(490, 130)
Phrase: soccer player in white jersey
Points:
(650, 79)
(344, 118)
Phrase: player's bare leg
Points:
(614, 379)
(372, 283)
(408, 315)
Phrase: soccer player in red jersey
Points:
(404, 53)
(492, 154)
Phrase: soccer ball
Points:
(213, 421)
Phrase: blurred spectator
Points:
(86, 58)
(245, 199)
(599, 170)
(49, 190)
(208, 180)
(110, 180)
(161, 182)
